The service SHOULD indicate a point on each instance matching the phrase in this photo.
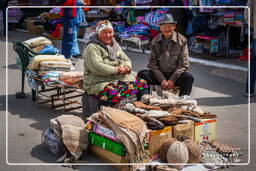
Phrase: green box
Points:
(106, 144)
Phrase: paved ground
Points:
(221, 90)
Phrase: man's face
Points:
(106, 36)
(167, 29)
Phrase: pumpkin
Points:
(193, 150)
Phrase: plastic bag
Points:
(49, 49)
(53, 142)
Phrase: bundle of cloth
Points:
(41, 45)
(71, 131)
(129, 129)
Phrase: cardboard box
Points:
(157, 138)
(184, 129)
(104, 131)
(205, 130)
(109, 157)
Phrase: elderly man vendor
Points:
(169, 59)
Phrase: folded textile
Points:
(52, 76)
(55, 64)
(36, 60)
(71, 78)
(169, 120)
(71, 74)
(57, 68)
(175, 111)
(129, 129)
(129, 107)
(170, 102)
(141, 105)
(151, 122)
(157, 113)
(198, 109)
(38, 41)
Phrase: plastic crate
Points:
(106, 144)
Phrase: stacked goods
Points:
(49, 63)
(233, 18)
(182, 113)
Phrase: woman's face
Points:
(106, 36)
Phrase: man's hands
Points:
(167, 85)
(124, 70)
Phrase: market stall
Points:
(156, 130)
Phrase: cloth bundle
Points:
(37, 44)
(72, 130)
(128, 128)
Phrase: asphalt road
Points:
(220, 90)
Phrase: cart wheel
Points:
(20, 95)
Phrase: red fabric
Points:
(69, 3)
(153, 33)
(245, 56)
(56, 32)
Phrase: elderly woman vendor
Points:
(107, 70)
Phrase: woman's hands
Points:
(124, 70)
